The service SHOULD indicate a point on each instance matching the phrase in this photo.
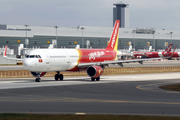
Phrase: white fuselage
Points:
(51, 60)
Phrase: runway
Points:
(134, 94)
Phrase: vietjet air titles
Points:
(93, 61)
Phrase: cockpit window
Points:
(33, 56)
(27, 56)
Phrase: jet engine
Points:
(94, 71)
(35, 74)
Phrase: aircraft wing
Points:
(120, 62)
(9, 58)
(4, 55)
(82, 65)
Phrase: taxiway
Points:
(133, 94)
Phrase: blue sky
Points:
(158, 14)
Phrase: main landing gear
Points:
(97, 79)
(58, 76)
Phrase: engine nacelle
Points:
(94, 71)
(35, 74)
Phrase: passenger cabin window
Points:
(73, 56)
(33, 56)
(57, 56)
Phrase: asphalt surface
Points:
(115, 95)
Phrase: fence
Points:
(107, 71)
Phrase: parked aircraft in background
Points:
(166, 53)
(93, 61)
(175, 54)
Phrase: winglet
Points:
(113, 44)
(5, 52)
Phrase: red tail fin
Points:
(168, 49)
(5, 51)
(113, 44)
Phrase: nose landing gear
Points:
(38, 79)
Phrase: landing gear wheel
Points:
(38, 80)
(56, 77)
(92, 79)
(61, 76)
(98, 78)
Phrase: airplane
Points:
(165, 53)
(93, 61)
(175, 54)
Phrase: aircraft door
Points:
(47, 60)
(67, 58)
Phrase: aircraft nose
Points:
(28, 64)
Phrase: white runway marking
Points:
(78, 80)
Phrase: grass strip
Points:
(11, 116)
(174, 87)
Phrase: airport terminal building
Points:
(85, 37)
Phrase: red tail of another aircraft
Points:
(5, 51)
(113, 44)
(168, 49)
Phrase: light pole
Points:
(82, 28)
(56, 33)
(171, 36)
(154, 40)
(26, 41)
(134, 39)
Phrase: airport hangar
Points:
(71, 37)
